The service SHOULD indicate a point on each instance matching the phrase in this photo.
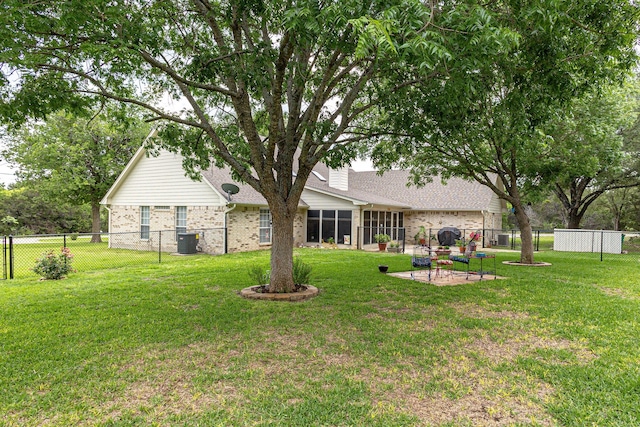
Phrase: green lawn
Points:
(173, 344)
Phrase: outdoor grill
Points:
(447, 236)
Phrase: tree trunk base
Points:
(258, 292)
(522, 264)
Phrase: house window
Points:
(181, 220)
(383, 222)
(328, 224)
(144, 222)
(265, 226)
(344, 226)
(313, 226)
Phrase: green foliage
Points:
(9, 225)
(421, 234)
(39, 214)
(382, 238)
(347, 72)
(74, 159)
(485, 121)
(54, 267)
(259, 276)
(301, 272)
(592, 148)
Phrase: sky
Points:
(362, 165)
(6, 174)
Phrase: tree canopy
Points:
(273, 87)
(491, 126)
(262, 81)
(76, 159)
(593, 149)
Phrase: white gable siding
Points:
(495, 205)
(317, 200)
(160, 181)
(339, 178)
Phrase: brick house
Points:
(153, 194)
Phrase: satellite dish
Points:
(230, 189)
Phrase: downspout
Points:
(229, 209)
(484, 233)
(108, 208)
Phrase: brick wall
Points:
(299, 236)
(467, 221)
(243, 229)
(244, 224)
(207, 221)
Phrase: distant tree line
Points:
(25, 210)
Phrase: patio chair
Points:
(421, 260)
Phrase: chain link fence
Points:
(108, 250)
(116, 250)
(596, 244)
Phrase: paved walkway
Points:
(457, 278)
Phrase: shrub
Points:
(54, 267)
(259, 275)
(301, 272)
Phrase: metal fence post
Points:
(601, 243)
(10, 257)
(159, 247)
(4, 257)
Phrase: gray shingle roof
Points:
(457, 194)
(390, 189)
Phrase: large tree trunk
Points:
(95, 223)
(282, 250)
(574, 219)
(616, 208)
(526, 235)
